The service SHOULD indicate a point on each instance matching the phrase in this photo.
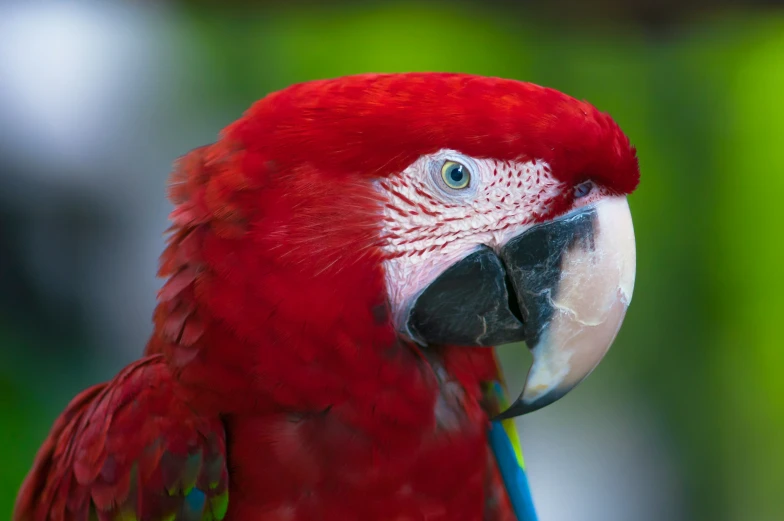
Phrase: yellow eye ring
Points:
(455, 175)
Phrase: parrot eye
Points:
(455, 175)
(583, 189)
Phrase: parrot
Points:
(342, 263)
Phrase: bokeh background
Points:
(685, 418)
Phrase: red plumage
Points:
(273, 323)
(127, 446)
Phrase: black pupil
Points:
(456, 174)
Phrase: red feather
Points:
(125, 447)
(274, 315)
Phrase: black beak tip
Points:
(521, 407)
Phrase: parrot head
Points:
(344, 218)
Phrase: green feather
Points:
(219, 505)
(126, 515)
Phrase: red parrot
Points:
(340, 264)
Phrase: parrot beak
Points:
(573, 278)
(562, 286)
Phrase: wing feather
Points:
(129, 450)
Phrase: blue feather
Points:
(505, 445)
(195, 501)
(512, 473)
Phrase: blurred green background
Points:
(683, 420)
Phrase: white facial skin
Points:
(429, 226)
